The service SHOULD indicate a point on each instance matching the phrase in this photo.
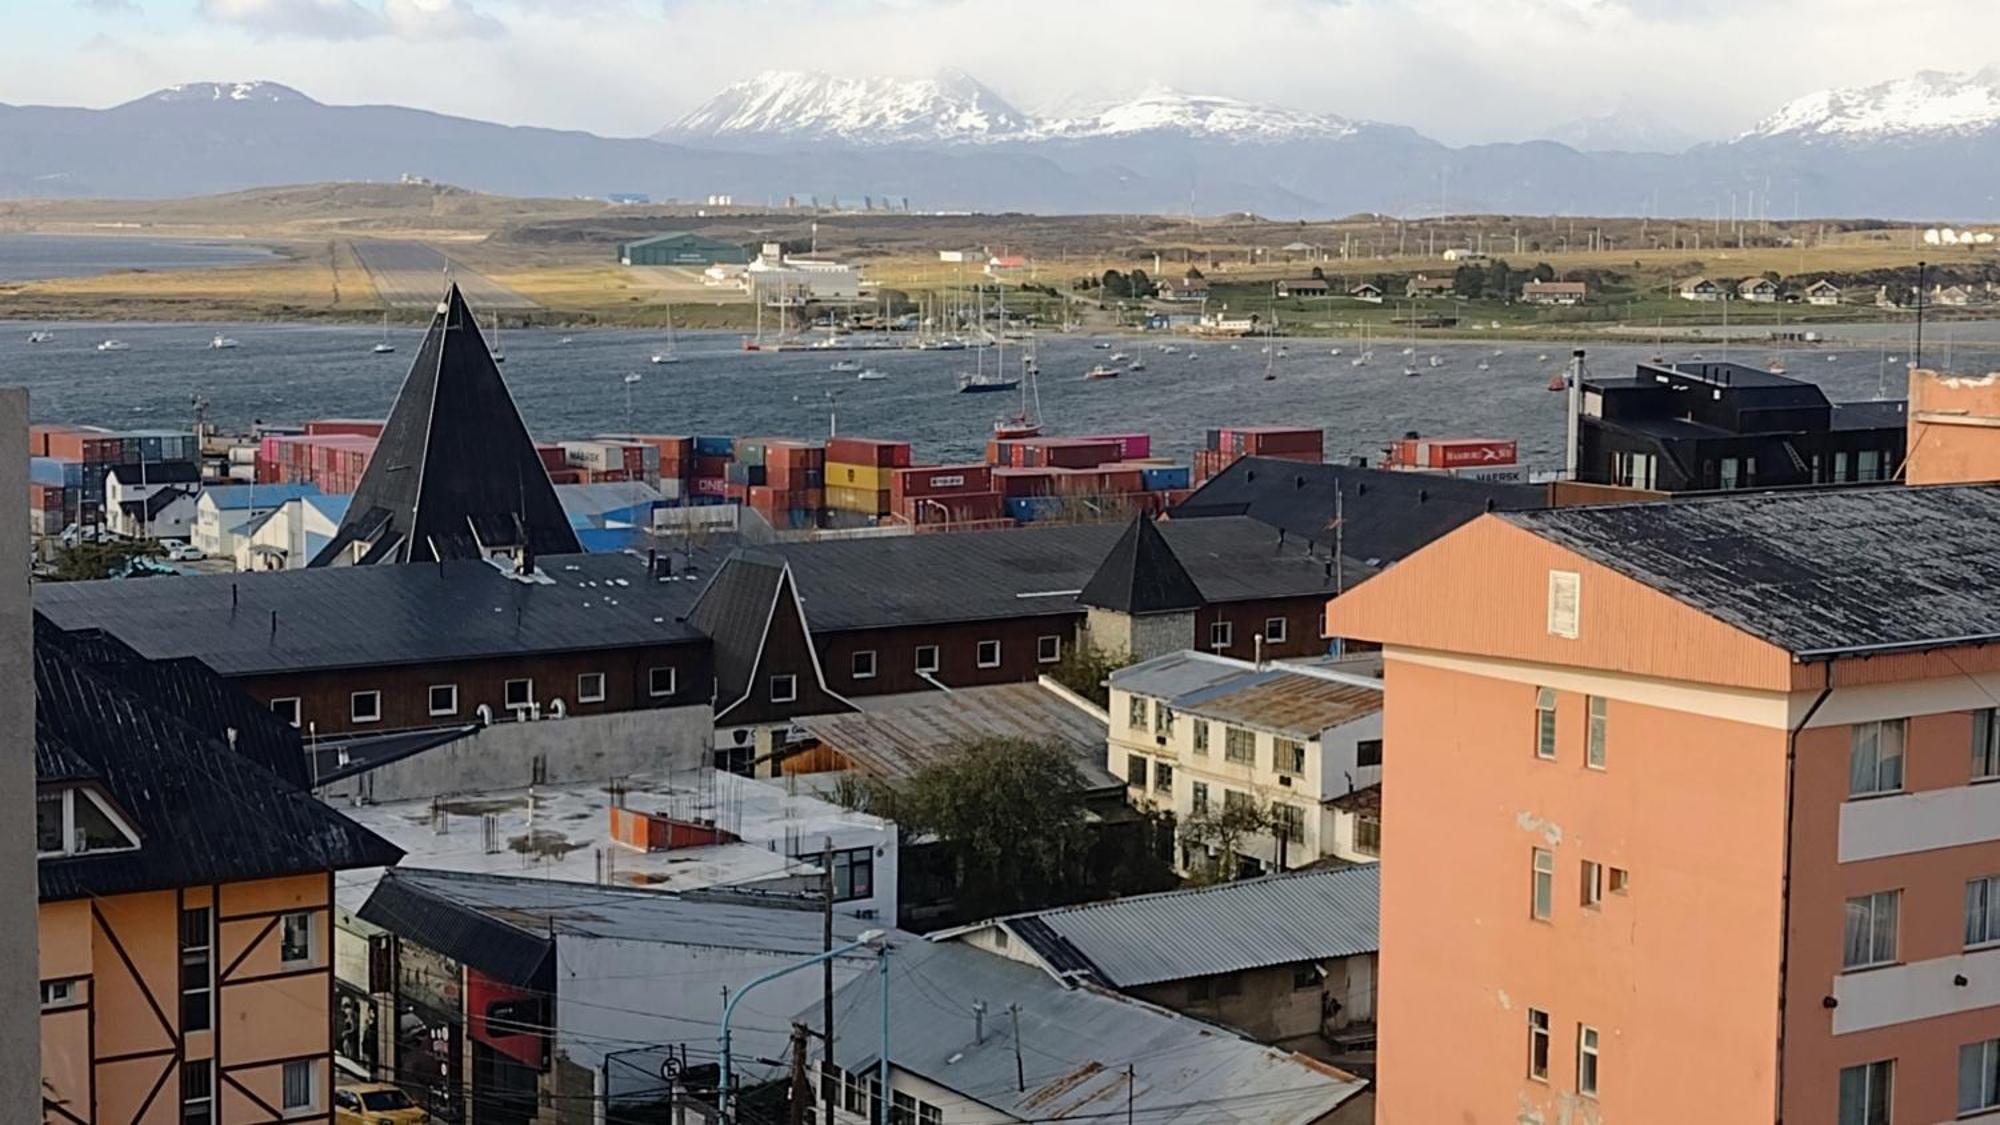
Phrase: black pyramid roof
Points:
(455, 475)
(1142, 575)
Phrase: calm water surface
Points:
(37, 257)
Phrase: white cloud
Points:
(109, 7)
(349, 19)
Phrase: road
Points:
(412, 275)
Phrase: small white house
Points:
(1700, 289)
(1759, 289)
(155, 501)
(1822, 292)
(287, 537)
(222, 513)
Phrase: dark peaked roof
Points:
(204, 813)
(735, 611)
(1142, 575)
(1819, 572)
(455, 474)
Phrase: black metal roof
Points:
(1819, 572)
(350, 617)
(1385, 515)
(735, 610)
(203, 812)
(1141, 575)
(157, 472)
(505, 952)
(455, 474)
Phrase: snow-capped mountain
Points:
(1927, 105)
(794, 105)
(1627, 128)
(226, 92)
(1200, 115)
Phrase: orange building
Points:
(1694, 814)
(1954, 420)
(186, 900)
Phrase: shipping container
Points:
(868, 451)
(1067, 453)
(1165, 477)
(940, 480)
(708, 486)
(709, 466)
(870, 478)
(956, 508)
(1451, 453)
(364, 427)
(1131, 447)
(712, 446)
(866, 501)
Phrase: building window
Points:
(1875, 760)
(76, 821)
(660, 681)
(1840, 474)
(1305, 974)
(301, 1082)
(1288, 822)
(1288, 755)
(590, 687)
(1731, 475)
(989, 654)
(444, 699)
(365, 707)
(1982, 911)
(853, 872)
(1239, 745)
(1229, 984)
(1221, 634)
(1236, 802)
(1367, 835)
(1163, 720)
(519, 694)
(785, 688)
(1868, 464)
(1274, 630)
(1048, 650)
(1135, 771)
(1593, 747)
(198, 1092)
(58, 994)
(1198, 797)
(1538, 1044)
(1163, 778)
(1865, 1093)
(1201, 737)
(197, 968)
(1368, 752)
(1871, 930)
(1621, 881)
(1979, 1076)
(862, 665)
(1135, 712)
(1593, 884)
(1985, 745)
(927, 658)
(296, 939)
(1586, 1060)
(1544, 904)
(286, 709)
(1545, 723)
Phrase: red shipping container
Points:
(1071, 453)
(565, 476)
(710, 486)
(1131, 447)
(552, 457)
(711, 467)
(1024, 482)
(869, 451)
(940, 480)
(364, 427)
(788, 456)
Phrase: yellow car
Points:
(376, 1103)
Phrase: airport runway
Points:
(412, 275)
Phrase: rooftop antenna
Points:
(1917, 355)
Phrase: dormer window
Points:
(79, 821)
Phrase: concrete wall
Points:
(1266, 1005)
(20, 1041)
(580, 748)
(1954, 429)
(1141, 637)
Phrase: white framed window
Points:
(1870, 937)
(301, 1087)
(1985, 746)
(1866, 1092)
(58, 994)
(1163, 720)
(1288, 822)
(660, 681)
(989, 654)
(519, 695)
(443, 699)
(1979, 1076)
(1545, 724)
(365, 707)
(590, 687)
(1048, 650)
(1201, 737)
(1198, 797)
(1136, 769)
(1982, 911)
(287, 709)
(1875, 757)
(1163, 778)
(77, 821)
(1538, 1045)
(1135, 712)
(1239, 746)
(1543, 905)
(298, 941)
(1598, 726)
(1221, 634)
(1593, 884)
(1274, 630)
(1288, 755)
(1586, 1060)
(862, 665)
(785, 688)
(198, 1092)
(928, 659)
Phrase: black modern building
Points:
(1696, 427)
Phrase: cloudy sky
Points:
(1459, 70)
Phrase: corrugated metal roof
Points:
(1276, 920)
(894, 744)
(1075, 1045)
(1274, 698)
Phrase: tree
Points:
(1216, 836)
(1469, 281)
(1115, 284)
(1085, 668)
(1318, 274)
(86, 562)
(1010, 813)
(1500, 279)
(1140, 284)
(1544, 272)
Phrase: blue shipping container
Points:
(1167, 477)
(1028, 509)
(714, 446)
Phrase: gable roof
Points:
(1279, 698)
(1249, 924)
(203, 812)
(237, 497)
(157, 472)
(735, 611)
(455, 474)
(1141, 575)
(896, 742)
(1817, 572)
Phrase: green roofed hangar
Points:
(681, 248)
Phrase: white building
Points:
(777, 278)
(1759, 289)
(1822, 292)
(1196, 734)
(288, 536)
(1700, 289)
(222, 514)
(156, 501)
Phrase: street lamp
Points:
(873, 939)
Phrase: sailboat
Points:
(1271, 352)
(40, 337)
(499, 354)
(1411, 368)
(1027, 422)
(668, 354)
(384, 347)
(222, 343)
(1362, 354)
(977, 381)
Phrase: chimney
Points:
(652, 563)
(979, 1021)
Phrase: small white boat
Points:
(383, 348)
(1102, 346)
(870, 375)
(1412, 370)
(1119, 357)
(566, 340)
(1437, 361)
(223, 342)
(1485, 366)
(844, 365)
(1831, 358)
(1335, 351)
(1497, 353)
(40, 337)
(1411, 350)
(1358, 361)
(1136, 365)
(665, 357)
(1194, 355)
(1101, 372)
(1542, 358)
(114, 346)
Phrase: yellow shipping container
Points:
(863, 500)
(865, 478)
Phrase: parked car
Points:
(185, 552)
(375, 1103)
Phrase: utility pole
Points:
(1131, 1091)
(801, 1089)
(826, 975)
(1020, 1075)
